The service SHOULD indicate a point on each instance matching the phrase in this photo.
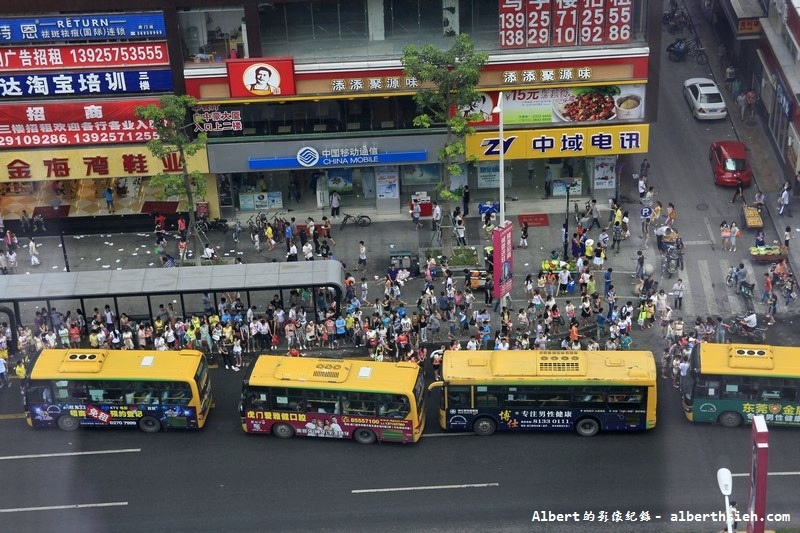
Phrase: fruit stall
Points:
(768, 254)
(751, 218)
(555, 265)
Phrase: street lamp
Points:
(568, 181)
(498, 110)
(725, 482)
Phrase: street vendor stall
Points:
(751, 218)
(769, 254)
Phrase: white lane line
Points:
(461, 434)
(428, 487)
(68, 454)
(747, 474)
(708, 289)
(710, 231)
(697, 243)
(61, 507)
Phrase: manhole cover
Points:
(702, 207)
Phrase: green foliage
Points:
(449, 79)
(172, 120)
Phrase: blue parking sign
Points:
(646, 212)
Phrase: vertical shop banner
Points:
(387, 183)
(565, 23)
(539, 20)
(619, 14)
(593, 18)
(512, 24)
(503, 258)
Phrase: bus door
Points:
(437, 385)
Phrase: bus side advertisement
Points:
(99, 415)
(776, 414)
(554, 419)
(335, 426)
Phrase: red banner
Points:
(503, 259)
(618, 18)
(273, 76)
(565, 23)
(73, 123)
(83, 56)
(512, 24)
(539, 19)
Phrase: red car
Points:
(729, 162)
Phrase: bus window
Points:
(38, 392)
(458, 397)
(487, 396)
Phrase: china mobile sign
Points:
(503, 259)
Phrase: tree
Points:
(172, 121)
(449, 79)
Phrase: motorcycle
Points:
(678, 50)
(742, 287)
(736, 326)
(205, 224)
(672, 261)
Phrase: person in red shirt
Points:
(161, 221)
(767, 288)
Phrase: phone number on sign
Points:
(11, 141)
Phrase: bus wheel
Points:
(68, 423)
(587, 427)
(149, 424)
(283, 431)
(730, 419)
(364, 436)
(484, 426)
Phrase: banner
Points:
(73, 123)
(83, 56)
(95, 27)
(85, 83)
(561, 142)
(272, 76)
(91, 162)
(503, 259)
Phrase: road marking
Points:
(69, 454)
(708, 288)
(428, 487)
(710, 232)
(12, 416)
(747, 474)
(61, 507)
(461, 434)
(697, 243)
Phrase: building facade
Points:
(302, 98)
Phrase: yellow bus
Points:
(106, 388)
(483, 391)
(729, 383)
(335, 398)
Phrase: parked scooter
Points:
(205, 224)
(678, 50)
(672, 261)
(737, 326)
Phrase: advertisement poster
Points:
(275, 199)
(605, 172)
(387, 183)
(598, 103)
(503, 258)
(560, 188)
(341, 180)
(261, 77)
(83, 56)
(489, 175)
(260, 201)
(421, 174)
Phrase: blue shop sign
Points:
(96, 27)
(85, 83)
(308, 157)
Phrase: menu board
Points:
(540, 23)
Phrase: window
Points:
(458, 397)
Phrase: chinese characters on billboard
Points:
(83, 56)
(503, 259)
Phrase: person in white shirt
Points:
(308, 251)
(437, 216)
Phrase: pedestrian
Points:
(548, 181)
(595, 213)
(783, 203)
(641, 185)
(291, 254)
(32, 248)
(644, 169)
(465, 199)
(326, 230)
(772, 308)
(735, 232)
(25, 221)
(741, 101)
(362, 256)
(416, 210)
(336, 201)
(787, 235)
(730, 76)
(616, 236)
(739, 191)
(4, 373)
(109, 195)
(767, 290)
(671, 214)
(461, 233)
(523, 239)
(721, 329)
(437, 216)
(725, 235)
(639, 265)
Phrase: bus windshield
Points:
(363, 400)
(518, 390)
(103, 388)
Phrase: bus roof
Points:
(542, 366)
(116, 364)
(333, 374)
(748, 359)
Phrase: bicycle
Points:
(697, 51)
(359, 220)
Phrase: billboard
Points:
(25, 85)
(94, 27)
(261, 77)
(83, 56)
(503, 259)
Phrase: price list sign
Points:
(540, 23)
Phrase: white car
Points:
(704, 99)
